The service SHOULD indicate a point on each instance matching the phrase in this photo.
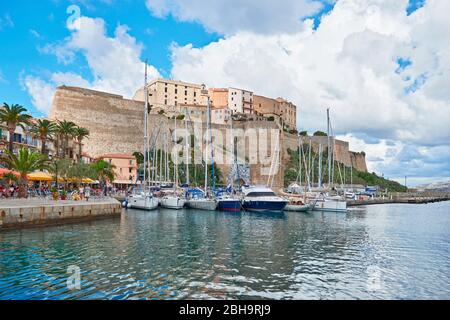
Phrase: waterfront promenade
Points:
(19, 213)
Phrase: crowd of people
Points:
(45, 190)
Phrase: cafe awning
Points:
(40, 176)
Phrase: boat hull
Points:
(298, 208)
(208, 205)
(332, 206)
(175, 203)
(264, 206)
(231, 205)
(143, 203)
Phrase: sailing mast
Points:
(329, 148)
(175, 165)
(187, 147)
(320, 165)
(145, 126)
(206, 153)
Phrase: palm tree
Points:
(104, 171)
(44, 129)
(13, 115)
(66, 130)
(139, 157)
(80, 134)
(25, 162)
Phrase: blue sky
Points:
(37, 23)
(27, 26)
(311, 50)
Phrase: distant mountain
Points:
(443, 186)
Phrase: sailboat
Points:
(226, 201)
(142, 198)
(205, 202)
(298, 204)
(323, 201)
(174, 200)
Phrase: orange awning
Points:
(4, 171)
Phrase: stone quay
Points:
(23, 213)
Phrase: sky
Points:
(382, 66)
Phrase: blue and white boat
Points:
(227, 201)
(262, 199)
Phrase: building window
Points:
(176, 91)
(165, 89)
(185, 93)
(165, 102)
(195, 93)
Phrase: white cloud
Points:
(114, 62)
(349, 64)
(227, 17)
(41, 92)
(2, 78)
(6, 21)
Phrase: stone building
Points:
(281, 110)
(164, 93)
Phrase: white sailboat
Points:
(205, 202)
(142, 198)
(323, 201)
(174, 200)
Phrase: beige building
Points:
(282, 111)
(219, 97)
(165, 93)
(288, 112)
(125, 167)
(220, 115)
(193, 112)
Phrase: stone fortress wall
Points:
(116, 126)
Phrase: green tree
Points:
(80, 134)
(303, 133)
(79, 171)
(60, 168)
(103, 171)
(13, 115)
(66, 131)
(320, 134)
(25, 162)
(44, 130)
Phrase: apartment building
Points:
(22, 138)
(126, 168)
(240, 101)
(165, 93)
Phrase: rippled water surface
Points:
(384, 251)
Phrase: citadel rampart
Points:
(116, 126)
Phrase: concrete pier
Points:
(24, 213)
(411, 200)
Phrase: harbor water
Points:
(393, 251)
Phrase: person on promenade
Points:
(81, 191)
(87, 192)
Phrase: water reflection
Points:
(393, 251)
